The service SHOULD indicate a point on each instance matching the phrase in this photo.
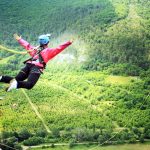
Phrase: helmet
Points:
(44, 39)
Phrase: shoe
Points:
(13, 85)
(1, 77)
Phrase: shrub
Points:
(33, 141)
(71, 143)
(24, 134)
(52, 146)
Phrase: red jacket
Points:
(47, 53)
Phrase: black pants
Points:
(29, 72)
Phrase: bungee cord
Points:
(13, 51)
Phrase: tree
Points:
(33, 141)
(141, 138)
(41, 133)
(24, 134)
(55, 133)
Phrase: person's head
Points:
(44, 40)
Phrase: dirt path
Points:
(36, 111)
(56, 144)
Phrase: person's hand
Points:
(17, 37)
(72, 40)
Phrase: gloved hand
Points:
(17, 37)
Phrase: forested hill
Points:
(111, 30)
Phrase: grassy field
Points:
(120, 80)
(119, 147)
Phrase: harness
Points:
(41, 60)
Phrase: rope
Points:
(11, 50)
(36, 111)
(120, 130)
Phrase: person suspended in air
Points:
(35, 65)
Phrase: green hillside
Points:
(103, 98)
(80, 106)
(113, 31)
(81, 100)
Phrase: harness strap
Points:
(41, 60)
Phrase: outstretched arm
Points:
(30, 49)
(54, 51)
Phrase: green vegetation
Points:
(82, 106)
(113, 31)
(104, 97)
(120, 147)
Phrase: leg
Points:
(33, 76)
(23, 74)
(6, 79)
(32, 79)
